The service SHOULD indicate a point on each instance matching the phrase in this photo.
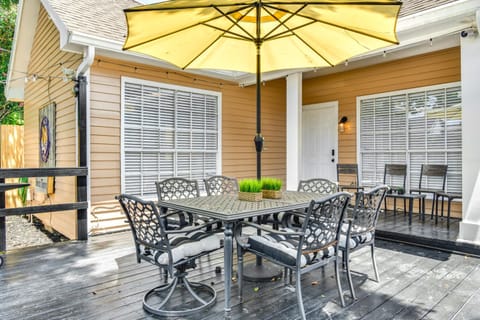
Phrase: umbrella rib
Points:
(205, 23)
(327, 23)
(234, 23)
(280, 23)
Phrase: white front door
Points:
(320, 140)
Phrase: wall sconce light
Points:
(341, 124)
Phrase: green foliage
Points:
(271, 184)
(7, 4)
(250, 185)
(22, 192)
(10, 112)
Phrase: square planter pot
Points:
(250, 196)
(272, 194)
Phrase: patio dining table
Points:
(229, 209)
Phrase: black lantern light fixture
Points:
(341, 124)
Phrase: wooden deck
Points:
(100, 279)
(424, 233)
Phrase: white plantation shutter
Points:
(167, 131)
(415, 127)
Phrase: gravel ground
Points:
(21, 233)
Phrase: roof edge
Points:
(26, 24)
(27, 17)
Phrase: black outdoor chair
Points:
(395, 176)
(318, 185)
(218, 185)
(348, 172)
(177, 188)
(173, 251)
(300, 250)
(358, 230)
(315, 185)
(435, 175)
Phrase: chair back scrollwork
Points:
(148, 228)
(323, 222)
(367, 208)
(318, 185)
(218, 185)
(177, 188)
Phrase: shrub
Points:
(271, 184)
(250, 185)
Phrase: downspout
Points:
(82, 90)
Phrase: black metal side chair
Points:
(171, 250)
(435, 175)
(218, 185)
(177, 188)
(301, 250)
(358, 230)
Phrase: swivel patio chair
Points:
(174, 251)
(217, 185)
(432, 181)
(358, 229)
(301, 250)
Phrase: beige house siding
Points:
(47, 62)
(238, 123)
(11, 150)
(423, 70)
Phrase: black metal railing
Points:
(80, 205)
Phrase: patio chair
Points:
(177, 188)
(435, 175)
(174, 251)
(300, 250)
(395, 176)
(217, 185)
(358, 230)
(348, 173)
(315, 185)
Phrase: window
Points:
(167, 131)
(415, 127)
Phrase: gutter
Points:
(88, 57)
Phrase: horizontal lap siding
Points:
(47, 62)
(238, 123)
(423, 70)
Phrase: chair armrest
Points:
(259, 227)
(189, 229)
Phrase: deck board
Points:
(100, 279)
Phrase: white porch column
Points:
(470, 73)
(294, 129)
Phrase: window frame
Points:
(168, 86)
(408, 150)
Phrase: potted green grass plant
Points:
(250, 190)
(271, 188)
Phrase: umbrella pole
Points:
(260, 271)
(258, 137)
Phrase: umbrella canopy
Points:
(259, 36)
